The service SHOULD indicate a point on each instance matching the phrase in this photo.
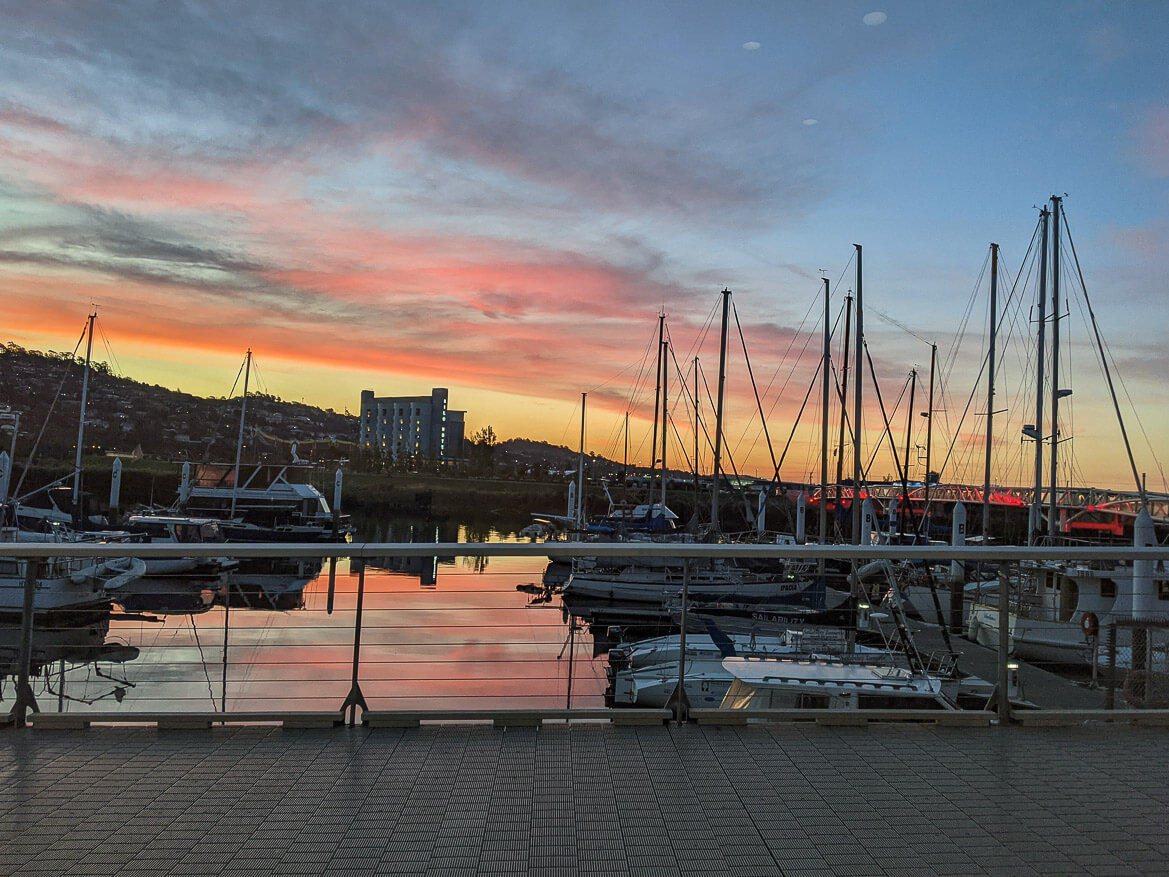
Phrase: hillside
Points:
(130, 417)
(124, 415)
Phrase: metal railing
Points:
(356, 650)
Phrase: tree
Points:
(483, 443)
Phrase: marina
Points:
(628, 440)
(479, 742)
(471, 628)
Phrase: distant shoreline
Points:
(155, 483)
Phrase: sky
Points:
(501, 198)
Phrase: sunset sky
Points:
(499, 198)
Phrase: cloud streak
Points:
(497, 200)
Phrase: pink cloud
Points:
(1152, 144)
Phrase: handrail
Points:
(556, 550)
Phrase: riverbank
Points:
(156, 483)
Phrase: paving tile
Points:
(687, 800)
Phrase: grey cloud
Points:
(117, 245)
(218, 82)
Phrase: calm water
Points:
(442, 633)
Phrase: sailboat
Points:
(64, 511)
(1058, 610)
(708, 579)
(259, 503)
(645, 674)
(896, 676)
(62, 583)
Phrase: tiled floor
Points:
(588, 799)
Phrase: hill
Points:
(130, 417)
(124, 415)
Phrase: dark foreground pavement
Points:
(592, 799)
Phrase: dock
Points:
(785, 799)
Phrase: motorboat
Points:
(63, 583)
(180, 530)
(1057, 612)
(646, 674)
(266, 506)
(710, 580)
(833, 683)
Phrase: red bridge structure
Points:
(1091, 512)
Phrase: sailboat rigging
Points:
(77, 515)
(239, 448)
(715, 477)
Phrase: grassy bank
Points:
(442, 496)
(156, 482)
(422, 496)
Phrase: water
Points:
(441, 633)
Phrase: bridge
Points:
(1102, 508)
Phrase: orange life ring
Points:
(1090, 624)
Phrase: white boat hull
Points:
(66, 583)
(650, 586)
(1030, 639)
(783, 682)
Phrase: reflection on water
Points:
(272, 583)
(404, 530)
(75, 646)
(443, 633)
(171, 595)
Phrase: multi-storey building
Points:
(411, 426)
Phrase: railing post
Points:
(24, 695)
(571, 659)
(226, 628)
(1110, 647)
(1003, 695)
(332, 578)
(680, 701)
(355, 698)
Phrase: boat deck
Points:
(763, 799)
(1039, 684)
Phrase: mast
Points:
(239, 448)
(857, 405)
(665, 354)
(929, 441)
(843, 391)
(625, 462)
(994, 280)
(697, 427)
(1036, 516)
(1056, 392)
(718, 419)
(81, 424)
(580, 505)
(905, 468)
(653, 447)
(825, 380)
